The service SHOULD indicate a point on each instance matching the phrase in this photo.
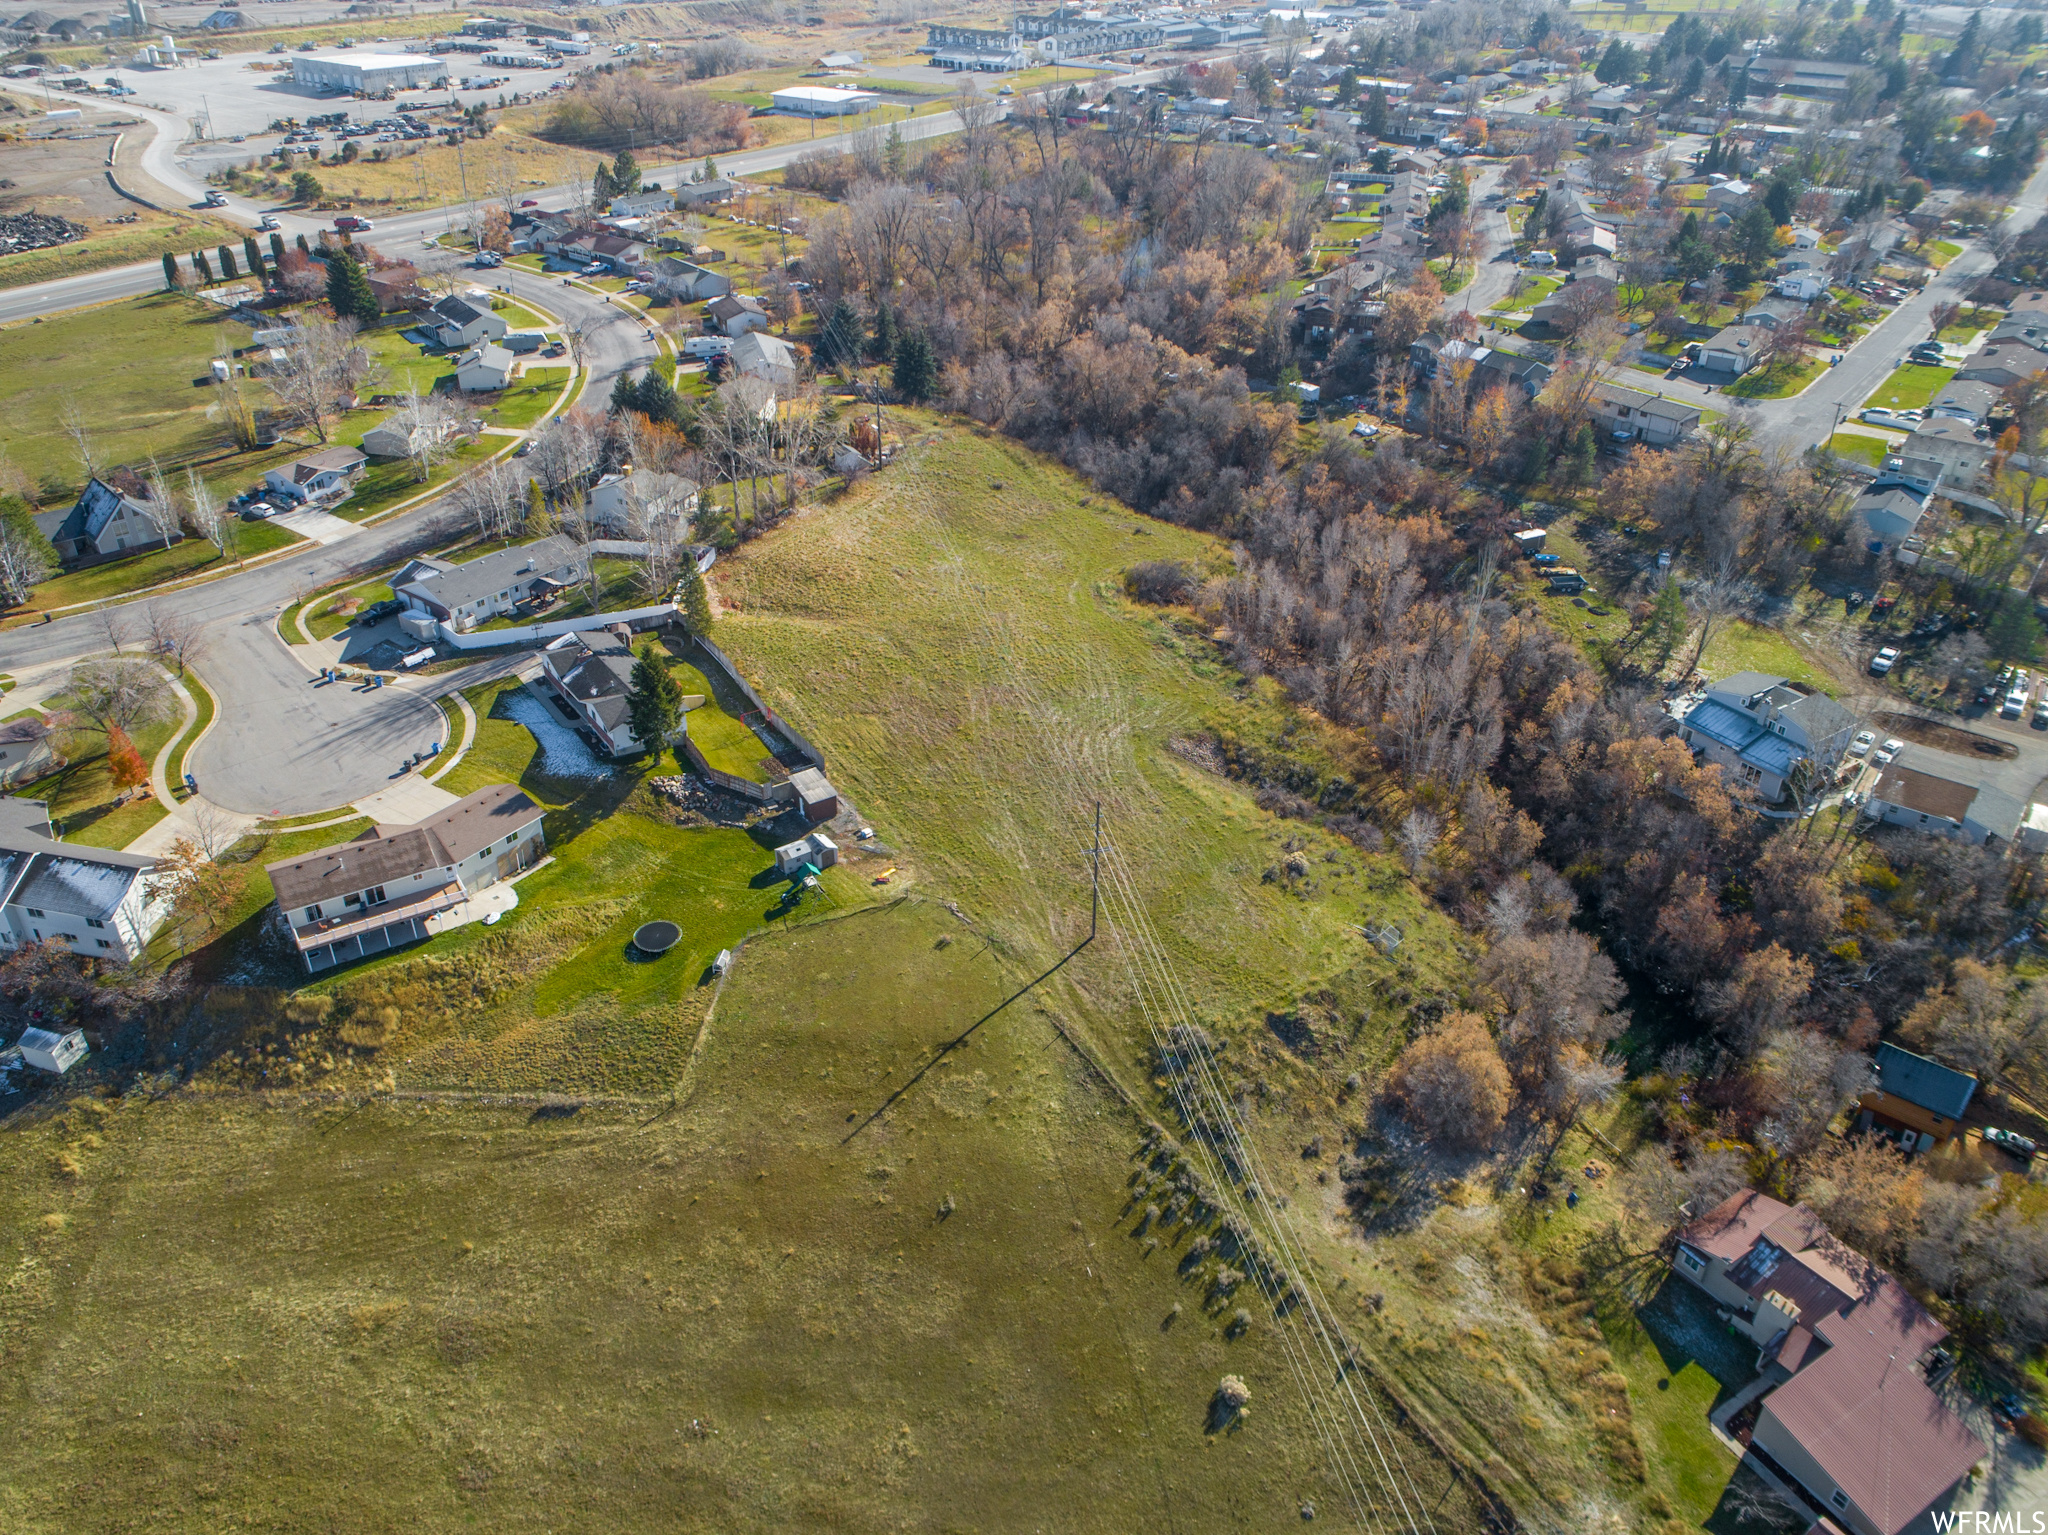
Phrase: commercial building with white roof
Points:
(370, 72)
(822, 101)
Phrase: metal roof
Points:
(1931, 1085)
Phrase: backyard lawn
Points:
(1538, 289)
(716, 729)
(1741, 646)
(1911, 387)
(1680, 1363)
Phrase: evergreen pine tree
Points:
(625, 174)
(839, 341)
(696, 601)
(915, 371)
(348, 289)
(625, 394)
(1667, 623)
(2014, 633)
(276, 248)
(227, 263)
(655, 398)
(1581, 458)
(200, 265)
(653, 702)
(252, 254)
(894, 155)
(602, 189)
(1536, 459)
(1377, 120)
(883, 343)
(170, 270)
(536, 510)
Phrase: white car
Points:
(1884, 660)
(1865, 739)
(2015, 702)
(1877, 415)
(1884, 754)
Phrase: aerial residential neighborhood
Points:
(1152, 768)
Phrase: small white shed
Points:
(817, 848)
(52, 1052)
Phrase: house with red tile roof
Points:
(1853, 1418)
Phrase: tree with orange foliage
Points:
(1977, 127)
(1451, 1083)
(124, 762)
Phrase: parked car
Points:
(1884, 660)
(523, 449)
(1884, 754)
(1877, 415)
(2015, 703)
(1865, 739)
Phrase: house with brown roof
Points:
(1853, 1416)
(398, 884)
(1944, 796)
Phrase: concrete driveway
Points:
(286, 743)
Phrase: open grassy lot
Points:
(1863, 449)
(179, 233)
(1778, 381)
(1911, 387)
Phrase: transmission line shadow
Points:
(963, 1036)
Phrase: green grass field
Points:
(82, 797)
(190, 557)
(1778, 381)
(1865, 450)
(327, 617)
(1910, 387)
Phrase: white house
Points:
(479, 590)
(459, 323)
(488, 367)
(397, 884)
(676, 278)
(1804, 286)
(634, 502)
(1651, 418)
(326, 476)
(89, 900)
(1761, 728)
(734, 314)
(1945, 796)
(770, 358)
(641, 203)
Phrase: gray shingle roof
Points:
(1928, 1083)
(556, 558)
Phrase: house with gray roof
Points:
(398, 884)
(463, 596)
(457, 323)
(105, 521)
(592, 672)
(1761, 729)
(675, 278)
(1966, 400)
(1917, 1101)
(1954, 444)
(1653, 419)
(92, 901)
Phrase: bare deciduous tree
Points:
(118, 694)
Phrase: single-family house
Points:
(1774, 313)
(326, 476)
(769, 358)
(1887, 514)
(1945, 796)
(396, 286)
(398, 884)
(639, 204)
(457, 323)
(92, 901)
(2006, 360)
(491, 585)
(1733, 349)
(1802, 285)
(1729, 196)
(1852, 1414)
(1917, 1102)
(1590, 240)
(1761, 729)
(1954, 444)
(485, 368)
(704, 194)
(391, 439)
(105, 521)
(1647, 418)
(734, 314)
(592, 672)
(1966, 401)
(621, 253)
(674, 278)
(634, 503)
(1805, 239)
(25, 751)
(1492, 366)
(1574, 297)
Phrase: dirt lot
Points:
(1964, 743)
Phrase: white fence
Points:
(492, 639)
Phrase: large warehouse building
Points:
(370, 72)
(822, 101)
